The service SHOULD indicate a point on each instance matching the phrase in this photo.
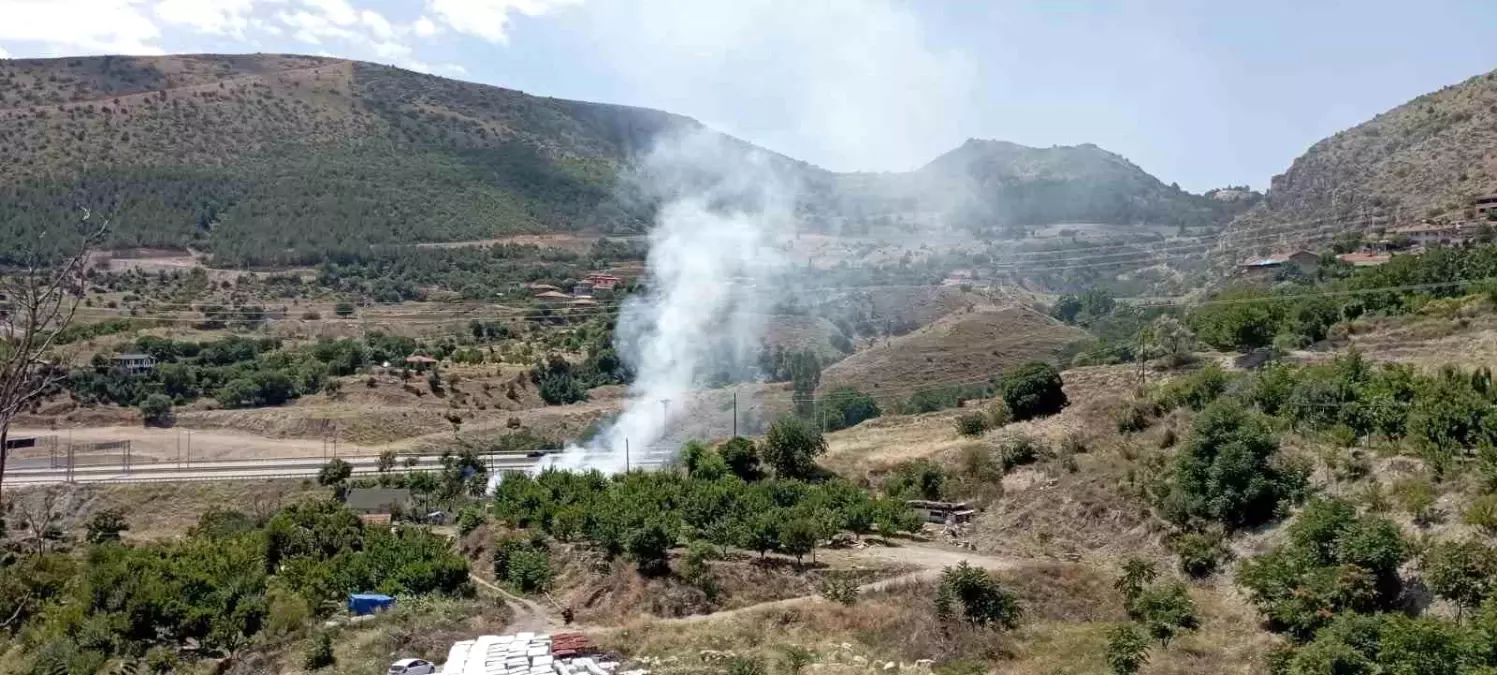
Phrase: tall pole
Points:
(626, 455)
(735, 413)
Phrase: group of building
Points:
(1409, 239)
(581, 292)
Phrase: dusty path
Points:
(529, 615)
(930, 559)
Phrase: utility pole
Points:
(626, 455)
(735, 413)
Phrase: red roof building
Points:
(603, 282)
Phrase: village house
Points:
(1486, 207)
(552, 297)
(377, 506)
(134, 364)
(420, 361)
(943, 513)
(1428, 234)
(1305, 261)
(1364, 258)
(603, 282)
(583, 289)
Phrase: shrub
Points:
(320, 653)
(1135, 416)
(1201, 554)
(999, 415)
(335, 472)
(1033, 390)
(795, 659)
(840, 589)
(972, 424)
(1194, 391)
(1461, 572)
(156, 410)
(746, 665)
(1127, 649)
(650, 546)
(106, 525)
(1019, 451)
(1166, 611)
(1482, 513)
(916, 479)
(469, 518)
(978, 596)
(1137, 575)
(741, 457)
(1224, 473)
(343, 309)
(845, 407)
(1416, 496)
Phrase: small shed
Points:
(943, 513)
(361, 604)
(365, 501)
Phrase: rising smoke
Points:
(848, 83)
(711, 278)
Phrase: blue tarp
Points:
(369, 603)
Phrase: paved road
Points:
(160, 472)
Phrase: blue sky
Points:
(1196, 92)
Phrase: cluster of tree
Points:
(1029, 390)
(236, 371)
(1158, 611)
(1084, 308)
(1448, 416)
(232, 581)
(396, 273)
(721, 496)
(1294, 315)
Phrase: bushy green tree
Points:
(741, 457)
(791, 447)
(1127, 649)
(156, 410)
(1033, 390)
(1462, 572)
(973, 594)
(1225, 475)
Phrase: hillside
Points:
(283, 159)
(964, 347)
(290, 158)
(1426, 158)
(997, 183)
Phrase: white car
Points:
(412, 667)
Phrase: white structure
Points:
(518, 654)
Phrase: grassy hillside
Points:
(262, 159)
(280, 159)
(1425, 158)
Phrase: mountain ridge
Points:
(280, 158)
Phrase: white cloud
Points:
(4, 54)
(80, 26)
(313, 28)
(335, 11)
(424, 27)
(489, 19)
(216, 17)
(377, 25)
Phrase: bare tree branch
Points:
(41, 297)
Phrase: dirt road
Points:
(930, 559)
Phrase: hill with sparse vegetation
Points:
(283, 159)
(1427, 158)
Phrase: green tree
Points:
(1166, 611)
(320, 653)
(386, 461)
(650, 547)
(106, 525)
(156, 410)
(335, 472)
(1137, 575)
(1127, 649)
(978, 596)
(1224, 473)
(1460, 571)
(845, 407)
(792, 446)
(1033, 390)
(741, 457)
(798, 537)
(343, 309)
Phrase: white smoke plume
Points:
(711, 278)
(852, 84)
